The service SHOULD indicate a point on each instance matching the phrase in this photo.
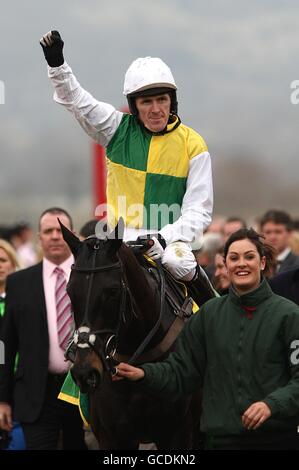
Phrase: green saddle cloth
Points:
(70, 392)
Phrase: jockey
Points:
(159, 175)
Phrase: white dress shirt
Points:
(57, 363)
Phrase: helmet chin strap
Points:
(171, 119)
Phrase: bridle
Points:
(85, 337)
(104, 341)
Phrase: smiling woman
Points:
(245, 260)
(240, 349)
(247, 257)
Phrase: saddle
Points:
(176, 293)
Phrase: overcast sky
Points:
(233, 62)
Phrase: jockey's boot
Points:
(200, 287)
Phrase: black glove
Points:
(150, 236)
(52, 45)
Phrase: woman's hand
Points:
(124, 370)
(256, 415)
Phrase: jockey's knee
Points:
(179, 260)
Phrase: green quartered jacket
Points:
(149, 171)
(240, 350)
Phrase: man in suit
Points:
(276, 226)
(287, 285)
(30, 328)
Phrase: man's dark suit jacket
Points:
(287, 285)
(290, 262)
(25, 330)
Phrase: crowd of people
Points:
(278, 228)
(240, 346)
(33, 385)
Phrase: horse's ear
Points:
(118, 233)
(70, 238)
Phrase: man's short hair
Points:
(57, 211)
(235, 218)
(277, 217)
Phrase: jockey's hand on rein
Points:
(156, 250)
(52, 45)
(156, 243)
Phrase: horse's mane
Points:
(139, 284)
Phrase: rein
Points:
(154, 330)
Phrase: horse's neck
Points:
(140, 289)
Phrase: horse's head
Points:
(97, 293)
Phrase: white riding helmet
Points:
(146, 73)
(149, 76)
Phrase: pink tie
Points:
(63, 309)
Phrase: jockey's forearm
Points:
(99, 120)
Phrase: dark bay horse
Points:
(120, 315)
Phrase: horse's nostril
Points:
(93, 379)
(86, 378)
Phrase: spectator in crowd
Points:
(217, 224)
(276, 226)
(20, 235)
(221, 280)
(4, 232)
(159, 175)
(286, 284)
(26, 250)
(243, 349)
(231, 225)
(294, 242)
(205, 256)
(8, 264)
(37, 324)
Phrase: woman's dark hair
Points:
(258, 240)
